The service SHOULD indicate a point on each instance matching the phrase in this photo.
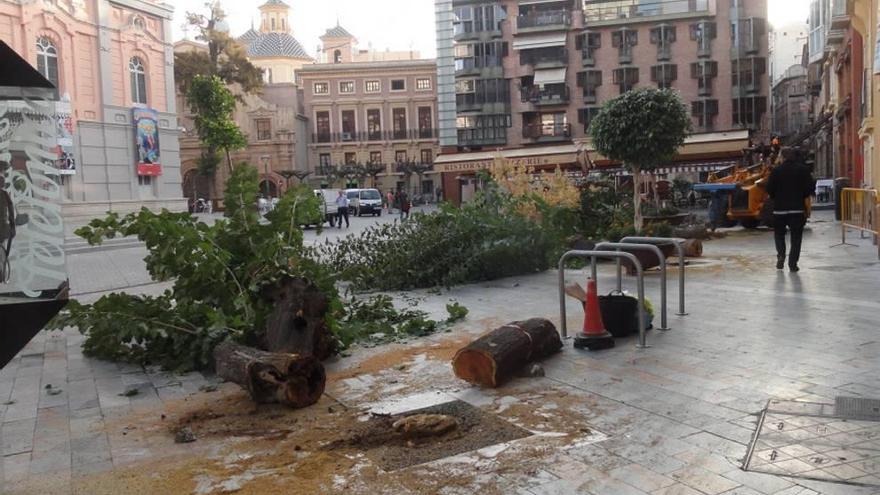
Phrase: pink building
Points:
(107, 59)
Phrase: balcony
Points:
(841, 13)
(551, 94)
(541, 21)
(475, 65)
(547, 132)
(613, 12)
(489, 136)
(544, 57)
(377, 135)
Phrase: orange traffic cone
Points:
(594, 336)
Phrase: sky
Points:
(392, 24)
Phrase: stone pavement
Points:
(677, 418)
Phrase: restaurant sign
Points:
(521, 161)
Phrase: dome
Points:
(272, 44)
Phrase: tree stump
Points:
(693, 248)
(297, 322)
(497, 356)
(293, 380)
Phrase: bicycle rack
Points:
(642, 247)
(594, 255)
(681, 263)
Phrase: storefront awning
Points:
(544, 41)
(543, 156)
(533, 2)
(549, 76)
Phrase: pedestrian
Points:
(342, 209)
(789, 186)
(404, 205)
(7, 229)
(389, 198)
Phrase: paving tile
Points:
(762, 483)
(641, 477)
(704, 480)
(677, 489)
(17, 436)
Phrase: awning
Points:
(533, 2)
(675, 168)
(549, 76)
(544, 41)
(541, 156)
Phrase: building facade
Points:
(379, 113)
(530, 74)
(791, 107)
(112, 60)
(273, 47)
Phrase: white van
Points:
(364, 201)
(329, 199)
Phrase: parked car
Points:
(364, 202)
(329, 209)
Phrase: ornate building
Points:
(112, 61)
(273, 48)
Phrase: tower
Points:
(274, 17)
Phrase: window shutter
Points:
(581, 79)
(579, 42)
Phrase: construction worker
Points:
(789, 186)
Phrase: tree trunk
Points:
(296, 324)
(637, 200)
(289, 379)
(495, 357)
(693, 248)
(228, 162)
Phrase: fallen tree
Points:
(495, 357)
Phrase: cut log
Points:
(289, 379)
(693, 248)
(497, 356)
(297, 323)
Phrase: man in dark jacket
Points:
(789, 186)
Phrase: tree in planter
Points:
(213, 104)
(373, 170)
(412, 167)
(642, 129)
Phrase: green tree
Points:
(225, 57)
(642, 129)
(213, 104)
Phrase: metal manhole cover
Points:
(857, 408)
(810, 441)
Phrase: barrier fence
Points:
(860, 210)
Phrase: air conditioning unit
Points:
(346, 136)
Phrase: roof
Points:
(272, 45)
(274, 3)
(337, 32)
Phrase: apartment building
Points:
(381, 114)
(791, 103)
(530, 74)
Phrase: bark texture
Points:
(297, 322)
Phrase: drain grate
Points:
(857, 408)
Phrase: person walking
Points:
(342, 209)
(389, 197)
(789, 186)
(404, 205)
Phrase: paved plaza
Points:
(679, 418)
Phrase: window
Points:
(465, 121)
(374, 124)
(346, 87)
(138, 81)
(273, 24)
(748, 111)
(375, 157)
(145, 180)
(427, 156)
(267, 76)
(703, 33)
(747, 73)
(664, 74)
(586, 116)
(663, 36)
(350, 158)
(337, 57)
(264, 129)
(398, 121)
(589, 43)
(138, 22)
(626, 78)
(590, 80)
(704, 111)
(423, 84)
(704, 72)
(321, 88)
(476, 130)
(426, 123)
(398, 84)
(348, 125)
(47, 59)
(624, 40)
(463, 86)
(322, 126)
(324, 160)
(746, 35)
(400, 156)
(372, 86)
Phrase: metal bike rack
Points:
(594, 255)
(681, 263)
(642, 247)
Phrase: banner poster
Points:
(146, 123)
(64, 128)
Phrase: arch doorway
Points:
(268, 188)
(196, 186)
